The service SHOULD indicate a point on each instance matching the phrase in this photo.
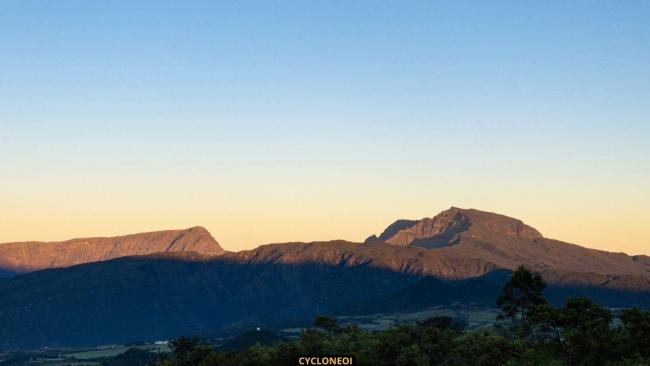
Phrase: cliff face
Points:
(31, 256)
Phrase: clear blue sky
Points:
(312, 120)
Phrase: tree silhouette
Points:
(588, 335)
(637, 327)
(519, 296)
(326, 323)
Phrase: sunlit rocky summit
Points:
(506, 243)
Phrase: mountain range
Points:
(165, 284)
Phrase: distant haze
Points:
(315, 121)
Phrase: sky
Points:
(284, 121)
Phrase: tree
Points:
(546, 322)
(326, 323)
(444, 322)
(184, 345)
(589, 339)
(519, 296)
(411, 356)
(484, 348)
(187, 351)
(636, 324)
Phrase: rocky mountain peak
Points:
(445, 228)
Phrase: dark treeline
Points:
(529, 331)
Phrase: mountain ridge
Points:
(21, 257)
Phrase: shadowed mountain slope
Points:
(30, 256)
(165, 295)
(170, 294)
(339, 253)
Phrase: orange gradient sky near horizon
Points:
(306, 211)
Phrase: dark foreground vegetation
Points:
(529, 332)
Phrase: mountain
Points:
(507, 243)
(457, 256)
(31, 256)
(171, 294)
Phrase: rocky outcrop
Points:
(439, 231)
(31, 256)
(395, 228)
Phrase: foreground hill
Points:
(163, 295)
(30, 256)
